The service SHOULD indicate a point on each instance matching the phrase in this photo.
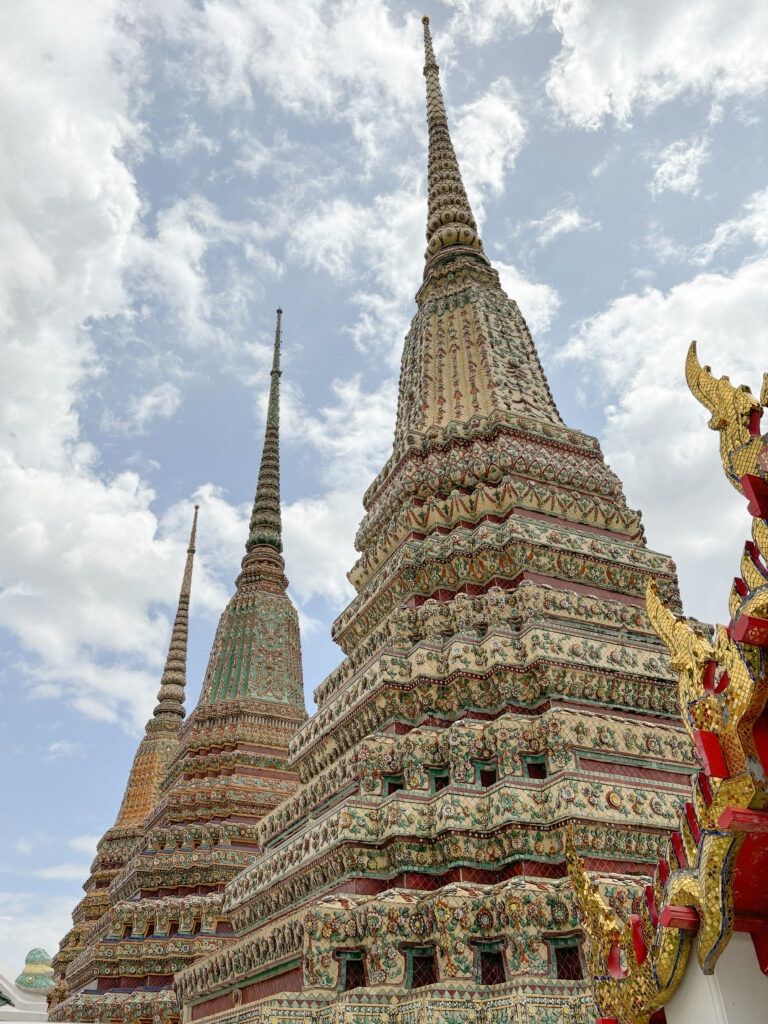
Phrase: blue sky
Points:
(171, 172)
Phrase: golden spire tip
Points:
(425, 19)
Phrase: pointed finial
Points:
(170, 696)
(449, 218)
(265, 529)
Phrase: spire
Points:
(257, 652)
(161, 735)
(449, 218)
(170, 696)
(265, 530)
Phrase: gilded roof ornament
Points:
(736, 416)
(704, 884)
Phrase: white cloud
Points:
(488, 134)
(616, 58)
(171, 266)
(353, 437)
(482, 21)
(162, 401)
(655, 434)
(678, 166)
(560, 221)
(538, 303)
(187, 139)
(381, 246)
(84, 844)
(345, 60)
(751, 225)
(85, 561)
(63, 872)
(63, 748)
(28, 920)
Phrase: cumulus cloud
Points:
(677, 168)
(655, 433)
(63, 748)
(84, 844)
(85, 559)
(68, 872)
(539, 303)
(616, 58)
(353, 437)
(171, 265)
(559, 221)
(349, 60)
(750, 226)
(33, 919)
(381, 245)
(162, 401)
(488, 134)
(483, 20)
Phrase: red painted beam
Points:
(663, 871)
(679, 917)
(749, 629)
(650, 899)
(693, 825)
(711, 753)
(638, 942)
(706, 789)
(742, 819)
(750, 923)
(679, 850)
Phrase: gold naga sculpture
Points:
(712, 879)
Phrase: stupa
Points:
(24, 1000)
(37, 975)
(502, 688)
(161, 907)
(122, 841)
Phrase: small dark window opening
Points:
(353, 972)
(127, 931)
(536, 768)
(195, 928)
(423, 968)
(486, 775)
(150, 931)
(173, 928)
(491, 967)
(392, 784)
(440, 779)
(568, 963)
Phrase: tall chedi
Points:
(501, 686)
(163, 906)
(160, 741)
